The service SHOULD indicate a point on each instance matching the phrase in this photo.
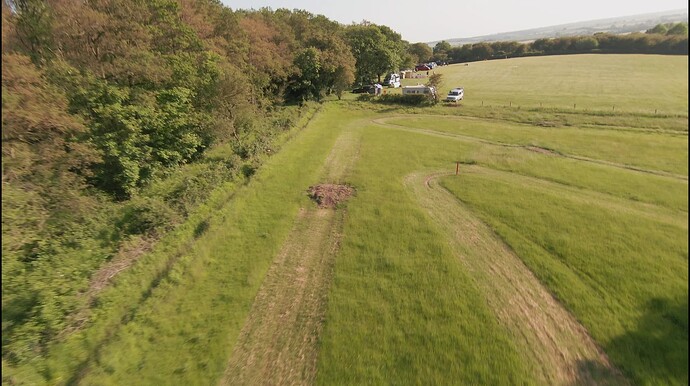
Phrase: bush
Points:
(146, 215)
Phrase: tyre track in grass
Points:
(559, 348)
(278, 344)
(468, 138)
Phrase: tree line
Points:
(670, 39)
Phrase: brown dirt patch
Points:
(330, 195)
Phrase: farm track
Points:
(468, 138)
(560, 350)
(278, 344)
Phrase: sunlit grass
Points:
(655, 151)
(631, 83)
(402, 307)
(624, 277)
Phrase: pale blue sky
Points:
(424, 21)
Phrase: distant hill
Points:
(617, 25)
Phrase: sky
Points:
(426, 21)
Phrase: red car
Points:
(422, 67)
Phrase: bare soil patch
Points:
(330, 195)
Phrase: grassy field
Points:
(602, 83)
(558, 255)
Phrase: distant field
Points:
(633, 83)
(557, 255)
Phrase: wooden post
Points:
(457, 168)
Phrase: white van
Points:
(392, 80)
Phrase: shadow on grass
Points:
(656, 352)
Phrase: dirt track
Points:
(278, 344)
(558, 347)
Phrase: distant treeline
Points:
(663, 39)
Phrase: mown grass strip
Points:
(186, 330)
(623, 276)
(402, 310)
(559, 349)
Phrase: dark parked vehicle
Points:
(369, 89)
(422, 67)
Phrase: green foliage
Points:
(139, 135)
(669, 29)
(421, 52)
(375, 53)
(307, 83)
(441, 50)
(678, 29)
(657, 42)
(435, 80)
(33, 28)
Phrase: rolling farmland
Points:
(558, 254)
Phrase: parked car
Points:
(366, 89)
(455, 94)
(422, 67)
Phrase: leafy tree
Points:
(435, 80)
(481, 51)
(585, 44)
(441, 50)
(375, 54)
(33, 26)
(421, 52)
(678, 29)
(308, 83)
(658, 29)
